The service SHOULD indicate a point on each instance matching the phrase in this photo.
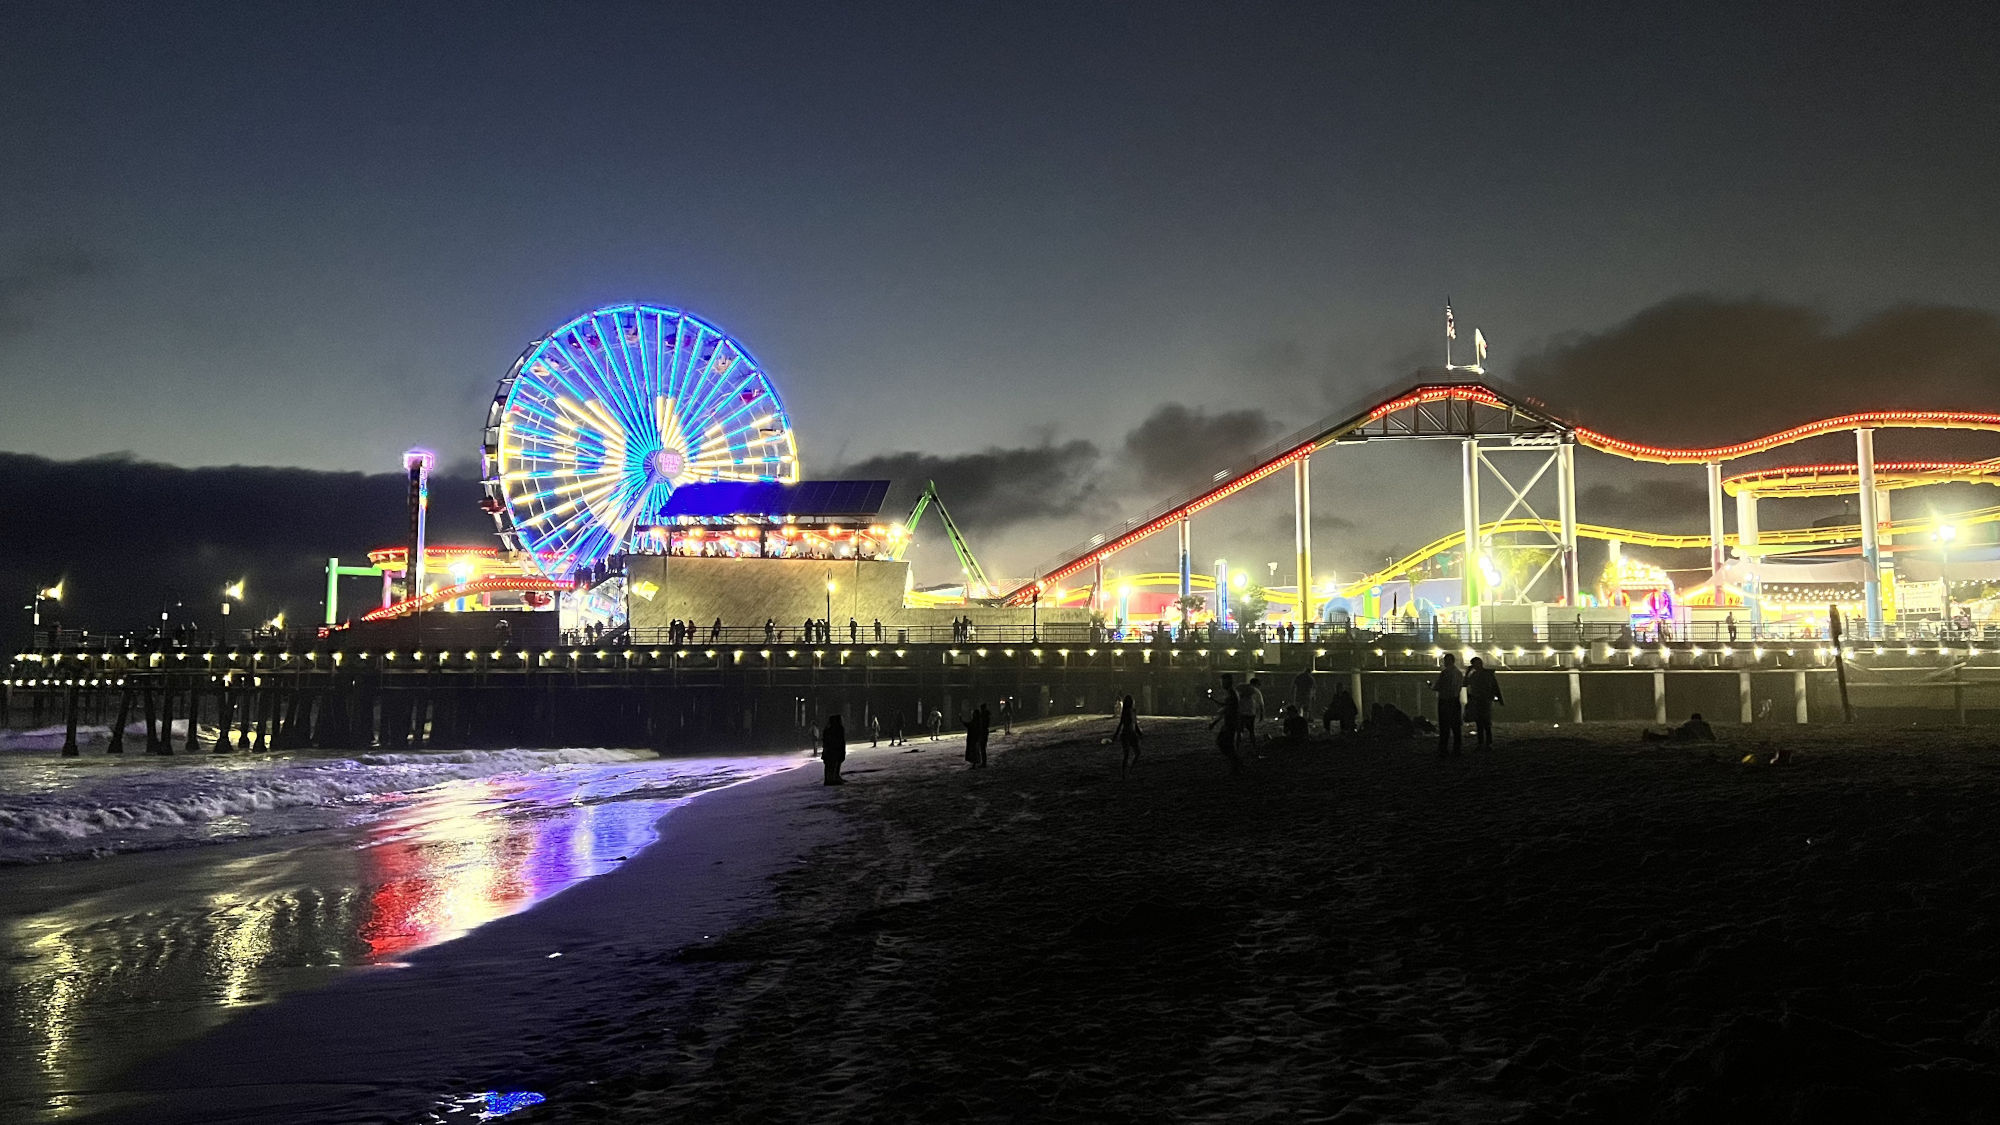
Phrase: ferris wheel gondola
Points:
(600, 421)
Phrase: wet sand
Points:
(1575, 927)
(111, 961)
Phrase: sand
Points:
(1574, 927)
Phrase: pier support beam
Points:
(1799, 698)
(1746, 543)
(1744, 713)
(1575, 696)
(1302, 537)
(1187, 558)
(1717, 553)
(1469, 495)
(1566, 502)
(1871, 531)
(1660, 697)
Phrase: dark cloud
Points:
(1705, 369)
(1657, 505)
(127, 535)
(1178, 447)
(992, 488)
(39, 270)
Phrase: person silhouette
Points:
(1482, 691)
(833, 750)
(1450, 712)
(1127, 736)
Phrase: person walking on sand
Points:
(1127, 736)
(1228, 715)
(937, 723)
(874, 730)
(1007, 715)
(1450, 712)
(1482, 691)
(896, 730)
(833, 750)
(1252, 707)
(1302, 691)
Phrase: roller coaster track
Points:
(1791, 537)
(1842, 480)
(1429, 414)
(491, 584)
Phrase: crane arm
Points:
(975, 575)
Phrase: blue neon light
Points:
(587, 409)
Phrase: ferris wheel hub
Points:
(669, 463)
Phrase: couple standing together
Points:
(1481, 690)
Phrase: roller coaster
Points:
(1472, 412)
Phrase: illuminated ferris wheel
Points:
(601, 420)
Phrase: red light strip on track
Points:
(491, 585)
(1486, 396)
(1871, 420)
(1026, 594)
(1810, 473)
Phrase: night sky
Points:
(1063, 258)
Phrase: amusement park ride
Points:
(599, 424)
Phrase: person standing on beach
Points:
(1482, 691)
(1127, 735)
(937, 723)
(1251, 707)
(1302, 691)
(1007, 715)
(874, 730)
(833, 750)
(1228, 718)
(1450, 712)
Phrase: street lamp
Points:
(1943, 536)
(230, 593)
(49, 594)
(829, 604)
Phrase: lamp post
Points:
(230, 593)
(829, 603)
(49, 594)
(1943, 536)
(1035, 615)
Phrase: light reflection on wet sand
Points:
(106, 961)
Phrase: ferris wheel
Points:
(602, 419)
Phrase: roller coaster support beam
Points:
(1746, 541)
(1302, 536)
(1187, 559)
(1469, 494)
(1871, 528)
(1566, 501)
(1716, 554)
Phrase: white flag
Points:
(1479, 346)
(1450, 325)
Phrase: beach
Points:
(1575, 926)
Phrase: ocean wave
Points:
(133, 804)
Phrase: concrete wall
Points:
(746, 592)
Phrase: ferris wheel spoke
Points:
(586, 409)
(621, 377)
